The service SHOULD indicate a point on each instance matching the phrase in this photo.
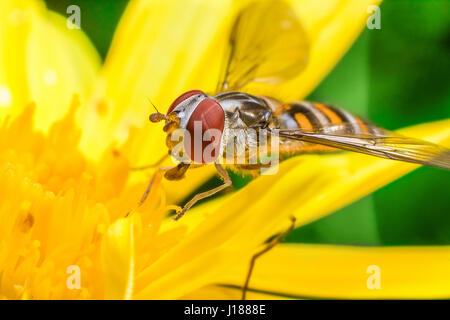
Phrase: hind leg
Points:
(269, 246)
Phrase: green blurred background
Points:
(396, 76)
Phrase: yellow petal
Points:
(350, 272)
(197, 214)
(42, 60)
(332, 26)
(308, 187)
(118, 259)
(216, 292)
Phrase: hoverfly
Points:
(268, 45)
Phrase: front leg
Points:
(150, 166)
(227, 182)
(171, 173)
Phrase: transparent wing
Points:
(377, 142)
(267, 44)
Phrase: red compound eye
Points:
(183, 97)
(205, 127)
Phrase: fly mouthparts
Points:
(157, 117)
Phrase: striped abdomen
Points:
(316, 117)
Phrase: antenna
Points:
(156, 117)
(152, 104)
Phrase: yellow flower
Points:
(65, 192)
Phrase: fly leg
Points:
(172, 173)
(269, 246)
(149, 166)
(227, 182)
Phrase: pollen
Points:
(57, 207)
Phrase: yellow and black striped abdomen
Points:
(317, 117)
